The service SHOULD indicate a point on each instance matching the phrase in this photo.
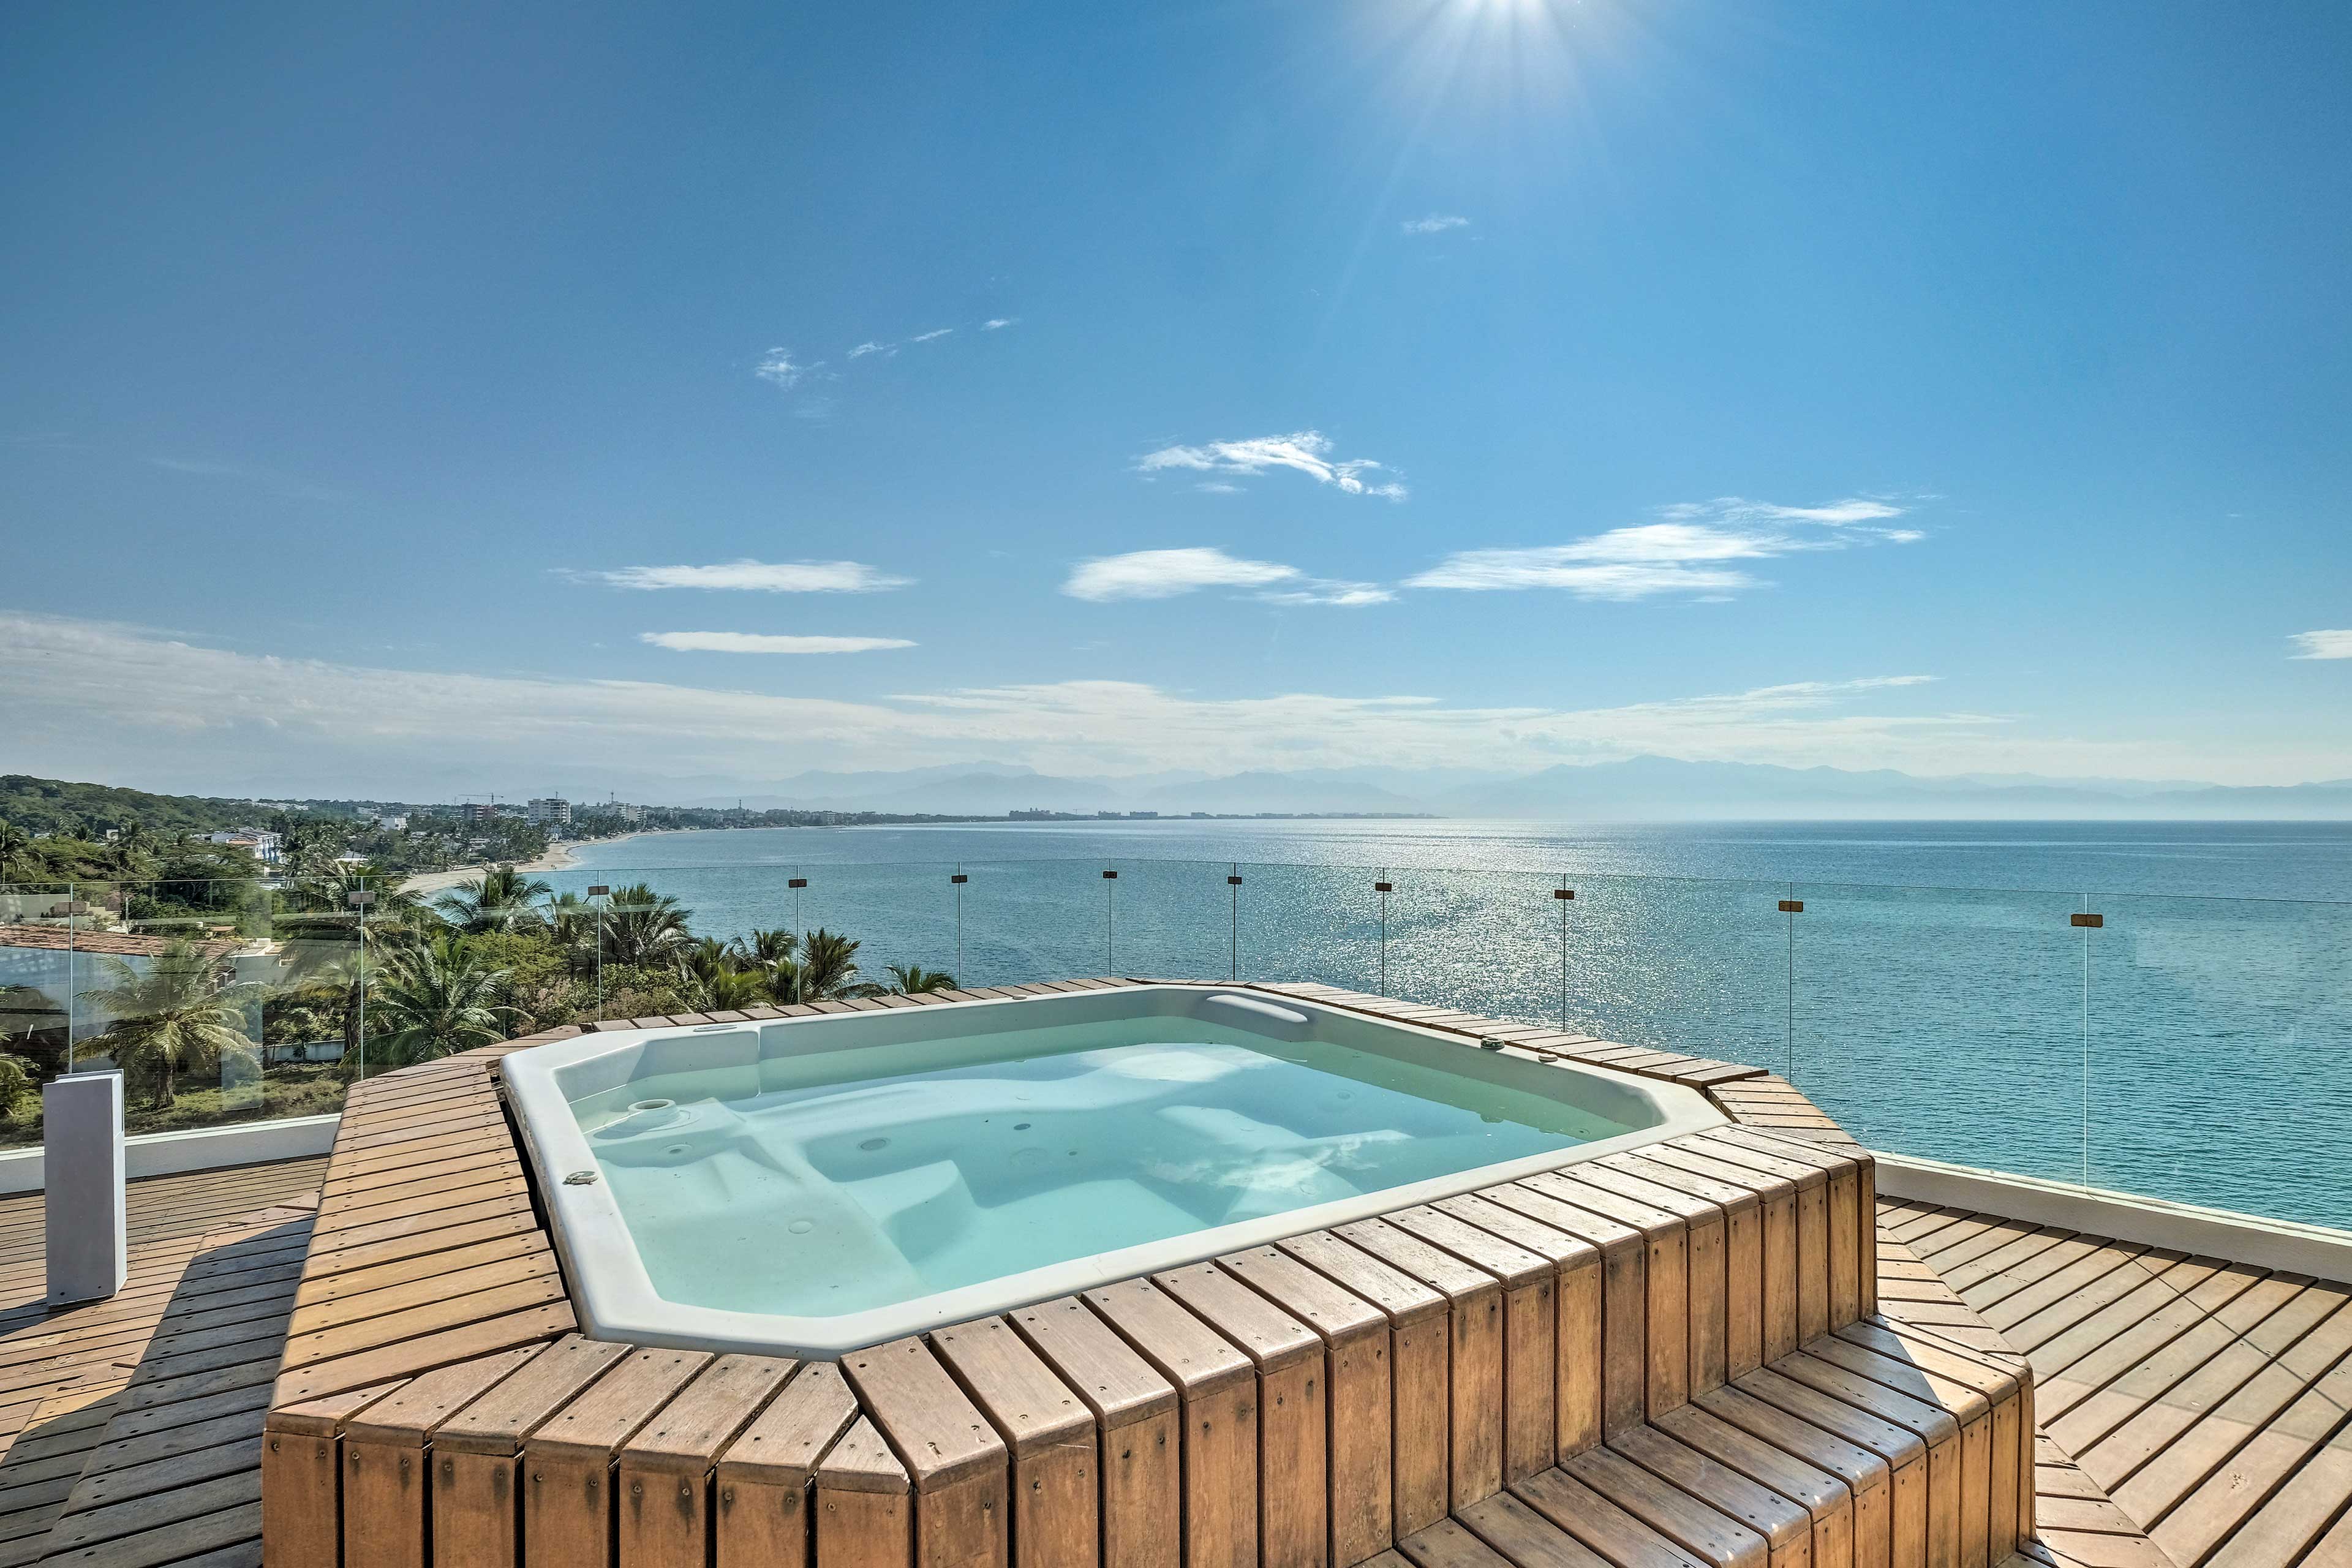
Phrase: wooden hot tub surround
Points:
(1671, 1356)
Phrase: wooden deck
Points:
(1657, 1360)
(2207, 1403)
(1499, 1380)
(131, 1429)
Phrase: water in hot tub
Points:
(841, 1180)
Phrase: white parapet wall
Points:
(204, 1149)
(2282, 1245)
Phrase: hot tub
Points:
(814, 1185)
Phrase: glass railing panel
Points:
(301, 986)
(38, 1008)
(1037, 920)
(1175, 919)
(191, 1044)
(2218, 1038)
(1318, 924)
(321, 971)
(883, 925)
(1483, 941)
(1942, 1023)
(1677, 964)
(643, 959)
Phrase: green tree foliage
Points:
(914, 980)
(63, 810)
(172, 1016)
(438, 997)
(500, 898)
(829, 967)
(19, 1085)
(642, 926)
(765, 945)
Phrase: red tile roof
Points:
(126, 944)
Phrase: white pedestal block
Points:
(81, 1138)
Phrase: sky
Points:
(422, 401)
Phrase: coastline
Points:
(558, 857)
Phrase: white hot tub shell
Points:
(585, 1123)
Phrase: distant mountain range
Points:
(1639, 789)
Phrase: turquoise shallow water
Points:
(836, 1183)
(2196, 1046)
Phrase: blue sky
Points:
(1491, 383)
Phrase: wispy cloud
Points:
(2322, 645)
(1325, 591)
(1435, 223)
(778, 366)
(1165, 574)
(756, 642)
(1305, 452)
(1694, 552)
(250, 474)
(132, 704)
(1739, 509)
(759, 576)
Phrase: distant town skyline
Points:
(422, 402)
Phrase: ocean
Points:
(1933, 993)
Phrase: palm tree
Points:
(730, 990)
(14, 847)
(573, 921)
(499, 900)
(780, 980)
(704, 958)
(828, 968)
(333, 978)
(913, 979)
(322, 890)
(439, 997)
(767, 946)
(173, 1016)
(642, 926)
(714, 980)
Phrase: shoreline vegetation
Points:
(315, 998)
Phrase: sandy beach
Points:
(558, 857)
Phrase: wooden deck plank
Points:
(1478, 1416)
(864, 1504)
(1530, 1330)
(1218, 1386)
(1139, 1416)
(1624, 1254)
(568, 1507)
(957, 1464)
(1578, 1344)
(1420, 1342)
(1361, 1472)
(1292, 1403)
(764, 1478)
(663, 1480)
(1050, 1434)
